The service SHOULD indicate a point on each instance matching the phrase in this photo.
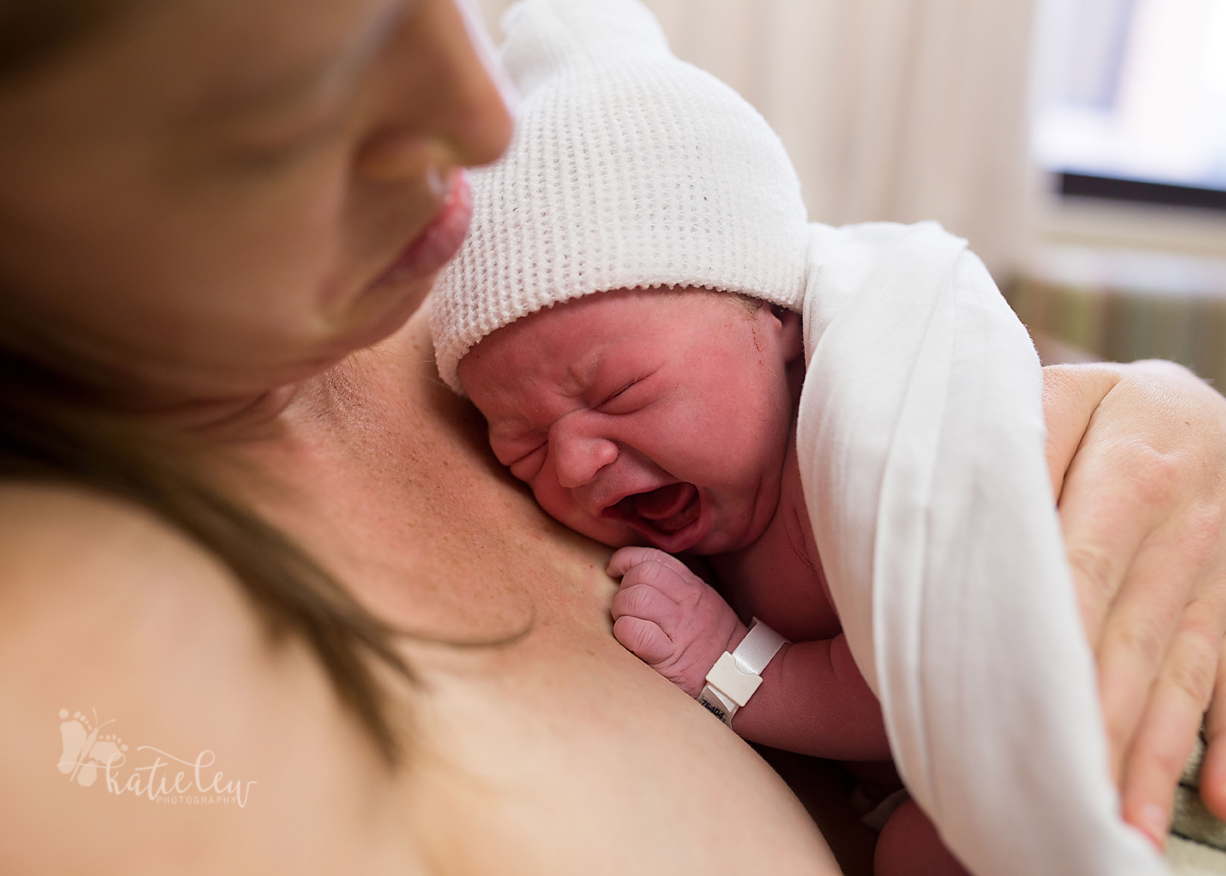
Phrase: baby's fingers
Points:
(658, 570)
(644, 639)
(629, 557)
(646, 603)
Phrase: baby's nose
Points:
(578, 457)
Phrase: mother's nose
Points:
(578, 457)
(443, 100)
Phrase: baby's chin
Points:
(618, 536)
(603, 531)
(724, 542)
(741, 531)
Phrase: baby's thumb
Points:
(629, 557)
(644, 639)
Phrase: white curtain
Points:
(898, 110)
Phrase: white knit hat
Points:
(629, 168)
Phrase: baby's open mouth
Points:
(667, 510)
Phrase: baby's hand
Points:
(671, 619)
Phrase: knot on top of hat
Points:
(543, 36)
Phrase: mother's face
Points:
(213, 197)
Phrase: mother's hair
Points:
(32, 32)
(58, 424)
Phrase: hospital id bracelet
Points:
(734, 677)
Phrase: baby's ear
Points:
(792, 337)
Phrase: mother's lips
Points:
(438, 243)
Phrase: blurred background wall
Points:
(1079, 145)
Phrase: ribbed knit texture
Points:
(629, 168)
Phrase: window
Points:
(1131, 99)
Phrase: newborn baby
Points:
(667, 418)
(632, 336)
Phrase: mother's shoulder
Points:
(92, 587)
(62, 542)
(118, 632)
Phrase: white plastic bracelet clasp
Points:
(735, 677)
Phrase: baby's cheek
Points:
(606, 532)
(558, 505)
(528, 467)
(609, 532)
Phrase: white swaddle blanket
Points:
(921, 445)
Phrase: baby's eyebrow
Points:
(581, 374)
(576, 380)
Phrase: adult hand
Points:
(1137, 454)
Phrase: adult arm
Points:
(1137, 455)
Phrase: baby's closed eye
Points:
(626, 399)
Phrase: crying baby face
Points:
(652, 417)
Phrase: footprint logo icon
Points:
(83, 751)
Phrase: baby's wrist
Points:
(739, 632)
(704, 661)
(737, 674)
